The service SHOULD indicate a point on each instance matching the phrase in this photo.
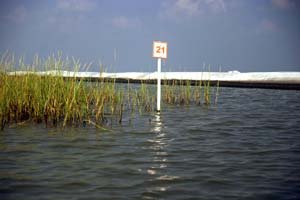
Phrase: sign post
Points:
(160, 50)
(158, 84)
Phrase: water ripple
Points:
(247, 147)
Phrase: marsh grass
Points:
(58, 101)
(183, 93)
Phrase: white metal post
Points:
(158, 83)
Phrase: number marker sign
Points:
(160, 49)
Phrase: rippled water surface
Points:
(246, 147)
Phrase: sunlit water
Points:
(246, 147)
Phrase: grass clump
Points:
(184, 93)
(52, 97)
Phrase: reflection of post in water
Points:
(157, 123)
(157, 148)
(158, 170)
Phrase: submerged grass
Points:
(58, 101)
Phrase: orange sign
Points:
(160, 49)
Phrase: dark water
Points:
(248, 147)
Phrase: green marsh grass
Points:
(59, 101)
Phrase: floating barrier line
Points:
(269, 80)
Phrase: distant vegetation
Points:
(58, 101)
